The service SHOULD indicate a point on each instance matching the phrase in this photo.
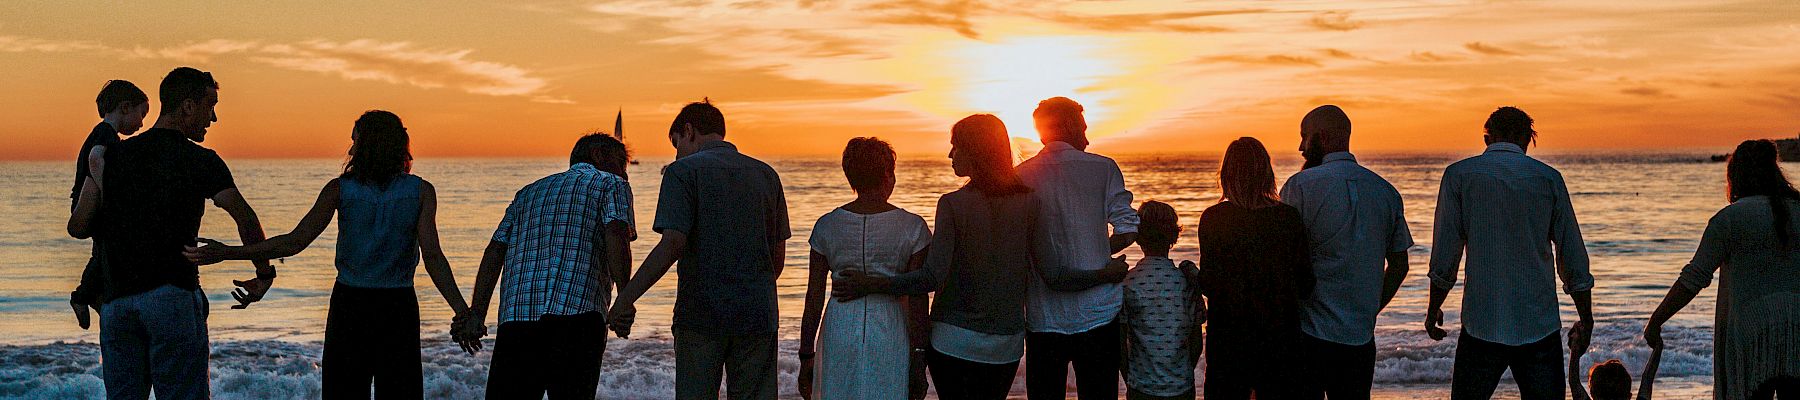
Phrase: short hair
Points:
(868, 164)
(183, 84)
(1510, 123)
(1326, 119)
(1158, 225)
(601, 150)
(119, 93)
(1609, 380)
(1063, 116)
(706, 119)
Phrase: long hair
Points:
(1755, 170)
(381, 150)
(982, 139)
(1246, 175)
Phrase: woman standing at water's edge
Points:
(386, 218)
(864, 348)
(1755, 242)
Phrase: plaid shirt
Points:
(550, 231)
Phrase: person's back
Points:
(1254, 269)
(378, 244)
(989, 260)
(1158, 313)
(1757, 326)
(1075, 187)
(156, 189)
(734, 210)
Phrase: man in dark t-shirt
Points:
(723, 216)
(155, 186)
(122, 107)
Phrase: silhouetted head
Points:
(1609, 381)
(1059, 120)
(697, 124)
(123, 105)
(980, 150)
(1246, 175)
(189, 98)
(1510, 124)
(603, 151)
(869, 165)
(1158, 228)
(1755, 170)
(380, 149)
(1325, 130)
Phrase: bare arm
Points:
(1395, 275)
(1120, 241)
(250, 229)
(818, 270)
(656, 264)
(778, 257)
(432, 251)
(493, 261)
(618, 253)
(918, 307)
(309, 229)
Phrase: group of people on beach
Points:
(1019, 266)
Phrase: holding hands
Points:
(620, 317)
(467, 332)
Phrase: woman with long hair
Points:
(1255, 268)
(982, 254)
(387, 219)
(1752, 245)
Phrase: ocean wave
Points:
(644, 368)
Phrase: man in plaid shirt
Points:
(558, 251)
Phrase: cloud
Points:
(1335, 21)
(403, 63)
(16, 44)
(196, 51)
(1147, 22)
(1489, 49)
(1272, 59)
(1426, 56)
(1646, 91)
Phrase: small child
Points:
(1610, 381)
(122, 107)
(1159, 313)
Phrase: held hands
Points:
(212, 252)
(1434, 320)
(620, 317)
(804, 379)
(1580, 335)
(1653, 335)
(467, 333)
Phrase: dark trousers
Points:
(558, 355)
(959, 379)
(1338, 371)
(1095, 354)
(1537, 367)
(1787, 386)
(371, 336)
(745, 362)
(1131, 394)
(1241, 363)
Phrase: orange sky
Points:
(800, 77)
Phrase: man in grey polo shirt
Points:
(1355, 224)
(722, 215)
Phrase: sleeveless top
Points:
(378, 244)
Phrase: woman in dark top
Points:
(1254, 270)
(979, 261)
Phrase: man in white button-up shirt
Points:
(1508, 210)
(1356, 225)
(1082, 193)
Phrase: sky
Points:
(478, 79)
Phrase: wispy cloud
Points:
(1272, 59)
(1489, 49)
(1335, 21)
(403, 63)
(1426, 56)
(1646, 91)
(17, 44)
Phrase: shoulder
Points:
(425, 186)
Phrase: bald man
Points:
(1355, 223)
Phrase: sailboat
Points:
(619, 130)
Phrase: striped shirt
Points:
(1506, 210)
(550, 231)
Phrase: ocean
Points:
(1641, 213)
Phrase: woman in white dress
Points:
(1754, 246)
(864, 346)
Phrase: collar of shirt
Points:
(163, 133)
(583, 167)
(1506, 147)
(1338, 156)
(717, 145)
(1056, 147)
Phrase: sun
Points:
(1009, 77)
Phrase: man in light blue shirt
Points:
(1356, 224)
(1508, 210)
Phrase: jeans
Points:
(1340, 371)
(746, 362)
(558, 355)
(1537, 368)
(372, 338)
(1095, 354)
(959, 379)
(155, 340)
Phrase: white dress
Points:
(862, 347)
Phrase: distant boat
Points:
(619, 130)
(1789, 149)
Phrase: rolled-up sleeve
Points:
(1698, 274)
(1447, 235)
(1571, 250)
(1120, 211)
(504, 234)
